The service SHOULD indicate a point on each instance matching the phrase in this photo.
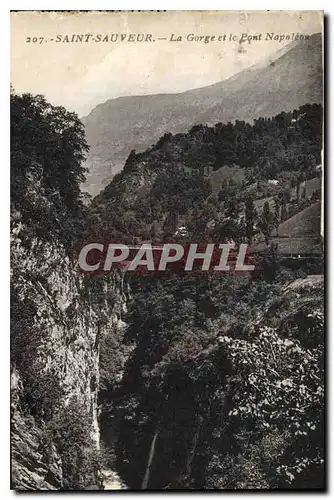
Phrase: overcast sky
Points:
(81, 75)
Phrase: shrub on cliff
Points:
(277, 387)
(71, 431)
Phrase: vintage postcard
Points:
(167, 265)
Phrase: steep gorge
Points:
(175, 383)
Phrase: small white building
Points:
(181, 231)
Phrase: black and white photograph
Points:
(167, 251)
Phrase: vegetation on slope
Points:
(174, 183)
(231, 391)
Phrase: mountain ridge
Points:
(119, 125)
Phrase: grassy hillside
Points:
(226, 173)
(306, 222)
(297, 236)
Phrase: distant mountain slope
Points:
(289, 80)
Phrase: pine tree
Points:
(250, 214)
(298, 191)
(266, 221)
(276, 219)
(284, 211)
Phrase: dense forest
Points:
(222, 390)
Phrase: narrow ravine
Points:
(112, 481)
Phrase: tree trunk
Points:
(149, 462)
(193, 448)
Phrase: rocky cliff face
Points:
(57, 324)
(33, 466)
